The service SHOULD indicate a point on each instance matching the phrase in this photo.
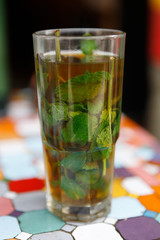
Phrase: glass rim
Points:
(101, 33)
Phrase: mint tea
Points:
(79, 96)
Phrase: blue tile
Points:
(151, 214)
(9, 227)
(126, 207)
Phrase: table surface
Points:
(135, 212)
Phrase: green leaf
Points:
(80, 129)
(106, 151)
(72, 189)
(94, 155)
(54, 113)
(117, 124)
(95, 108)
(87, 177)
(99, 184)
(104, 138)
(82, 87)
(73, 114)
(74, 161)
(79, 107)
(87, 45)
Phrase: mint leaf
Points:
(117, 124)
(106, 151)
(77, 107)
(80, 129)
(73, 114)
(87, 45)
(104, 138)
(72, 189)
(54, 113)
(74, 161)
(82, 87)
(87, 177)
(95, 108)
(94, 155)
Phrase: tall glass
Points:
(79, 76)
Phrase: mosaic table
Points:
(135, 212)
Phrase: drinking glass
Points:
(79, 76)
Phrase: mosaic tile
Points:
(98, 220)
(118, 190)
(137, 186)
(18, 166)
(149, 179)
(15, 146)
(7, 129)
(16, 213)
(3, 188)
(16, 160)
(156, 159)
(26, 185)
(146, 153)
(41, 221)
(57, 235)
(135, 228)
(23, 236)
(151, 169)
(35, 145)
(158, 176)
(20, 109)
(158, 218)
(68, 228)
(125, 207)
(1, 175)
(157, 189)
(122, 172)
(6, 206)
(9, 227)
(96, 231)
(20, 172)
(30, 201)
(10, 195)
(28, 127)
(76, 223)
(110, 220)
(148, 213)
(148, 201)
(125, 156)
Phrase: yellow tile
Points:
(118, 190)
(133, 195)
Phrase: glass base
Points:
(85, 213)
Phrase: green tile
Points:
(39, 222)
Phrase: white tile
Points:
(151, 169)
(11, 147)
(96, 231)
(68, 228)
(136, 185)
(110, 220)
(10, 195)
(23, 236)
(28, 127)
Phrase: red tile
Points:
(26, 185)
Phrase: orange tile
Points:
(151, 202)
(157, 189)
(158, 176)
(1, 175)
(7, 129)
